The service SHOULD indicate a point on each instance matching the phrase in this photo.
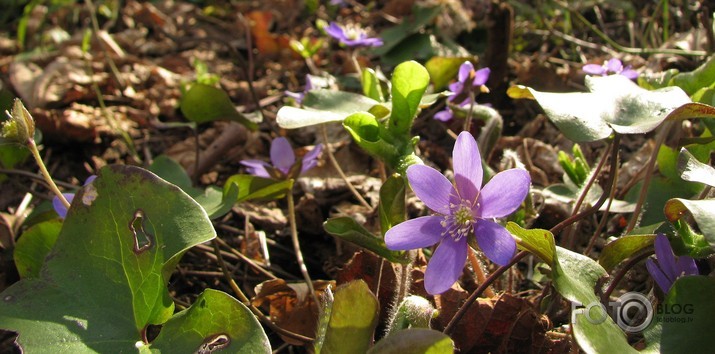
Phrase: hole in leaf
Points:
(142, 239)
(214, 343)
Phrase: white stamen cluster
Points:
(459, 222)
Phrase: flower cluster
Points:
(468, 80)
(612, 66)
(460, 210)
(666, 268)
(352, 36)
(284, 164)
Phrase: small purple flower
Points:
(283, 160)
(447, 113)
(352, 36)
(667, 268)
(461, 209)
(468, 79)
(60, 208)
(298, 96)
(614, 66)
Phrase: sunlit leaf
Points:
(34, 245)
(414, 341)
(687, 316)
(409, 82)
(693, 170)
(204, 103)
(703, 211)
(537, 241)
(623, 248)
(349, 230)
(257, 188)
(353, 320)
(702, 76)
(443, 69)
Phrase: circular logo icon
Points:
(634, 312)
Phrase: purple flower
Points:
(283, 160)
(352, 36)
(447, 113)
(468, 79)
(614, 66)
(667, 268)
(60, 208)
(461, 209)
(298, 96)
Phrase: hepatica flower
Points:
(468, 80)
(298, 96)
(283, 161)
(667, 268)
(612, 66)
(460, 211)
(60, 208)
(352, 36)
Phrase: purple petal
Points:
(297, 96)
(444, 115)
(432, 187)
(614, 65)
(335, 31)
(282, 155)
(594, 69)
(308, 83)
(495, 241)
(464, 71)
(503, 194)
(256, 168)
(481, 76)
(416, 233)
(446, 265)
(89, 180)
(311, 158)
(59, 207)
(687, 266)
(666, 259)
(629, 73)
(660, 278)
(467, 163)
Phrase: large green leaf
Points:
(34, 245)
(204, 103)
(365, 130)
(323, 106)
(623, 248)
(257, 188)
(414, 341)
(703, 76)
(353, 319)
(574, 277)
(537, 241)
(614, 103)
(703, 211)
(693, 170)
(349, 230)
(214, 321)
(686, 316)
(392, 202)
(105, 280)
(409, 82)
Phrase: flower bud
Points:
(20, 127)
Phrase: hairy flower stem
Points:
(334, 162)
(478, 271)
(296, 246)
(482, 287)
(660, 139)
(36, 154)
(244, 299)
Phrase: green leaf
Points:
(204, 103)
(293, 118)
(409, 82)
(687, 316)
(216, 201)
(537, 241)
(693, 170)
(667, 159)
(352, 321)
(703, 211)
(702, 76)
(392, 203)
(661, 190)
(371, 85)
(172, 172)
(349, 230)
(391, 37)
(574, 277)
(414, 341)
(365, 130)
(214, 321)
(258, 188)
(623, 248)
(323, 106)
(614, 103)
(34, 245)
(105, 280)
(443, 69)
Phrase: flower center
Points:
(459, 222)
(352, 32)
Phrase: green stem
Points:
(296, 246)
(46, 174)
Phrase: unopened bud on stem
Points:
(20, 127)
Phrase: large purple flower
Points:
(283, 160)
(352, 36)
(667, 268)
(461, 209)
(614, 66)
(60, 208)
